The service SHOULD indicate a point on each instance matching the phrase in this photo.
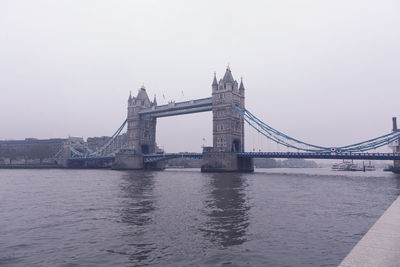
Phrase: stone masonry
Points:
(396, 148)
(141, 129)
(141, 133)
(228, 128)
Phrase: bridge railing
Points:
(157, 157)
(176, 106)
(310, 155)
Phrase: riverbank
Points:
(380, 246)
(30, 166)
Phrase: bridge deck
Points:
(92, 158)
(285, 155)
(300, 155)
(157, 157)
(172, 109)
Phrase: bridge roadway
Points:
(173, 109)
(287, 155)
(310, 155)
(157, 157)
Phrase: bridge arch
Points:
(236, 146)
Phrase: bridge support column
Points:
(226, 162)
(141, 134)
(396, 166)
(128, 162)
(63, 160)
(228, 128)
(135, 162)
(154, 166)
(396, 148)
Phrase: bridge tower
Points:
(141, 133)
(141, 128)
(396, 148)
(228, 127)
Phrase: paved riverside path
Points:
(380, 246)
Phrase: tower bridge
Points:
(228, 128)
(227, 105)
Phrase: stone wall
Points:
(226, 162)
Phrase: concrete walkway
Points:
(381, 244)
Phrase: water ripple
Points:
(184, 218)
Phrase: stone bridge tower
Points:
(141, 128)
(396, 148)
(228, 128)
(141, 134)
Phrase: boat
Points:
(354, 167)
(351, 166)
(343, 166)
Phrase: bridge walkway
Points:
(287, 155)
(311, 155)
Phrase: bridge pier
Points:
(396, 148)
(124, 161)
(154, 166)
(90, 163)
(225, 162)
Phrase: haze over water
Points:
(275, 217)
(324, 72)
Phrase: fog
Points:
(326, 72)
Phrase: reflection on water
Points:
(138, 207)
(227, 209)
(298, 217)
(138, 198)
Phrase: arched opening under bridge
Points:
(236, 146)
(145, 149)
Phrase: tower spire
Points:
(215, 83)
(228, 78)
(155, 100)
(241, 86)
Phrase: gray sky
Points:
(326, 72)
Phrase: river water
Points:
(273, 217)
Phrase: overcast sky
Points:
(327, 72)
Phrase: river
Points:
(273, 217)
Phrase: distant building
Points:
(30, 149)
(94, 143)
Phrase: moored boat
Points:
(351, 166)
